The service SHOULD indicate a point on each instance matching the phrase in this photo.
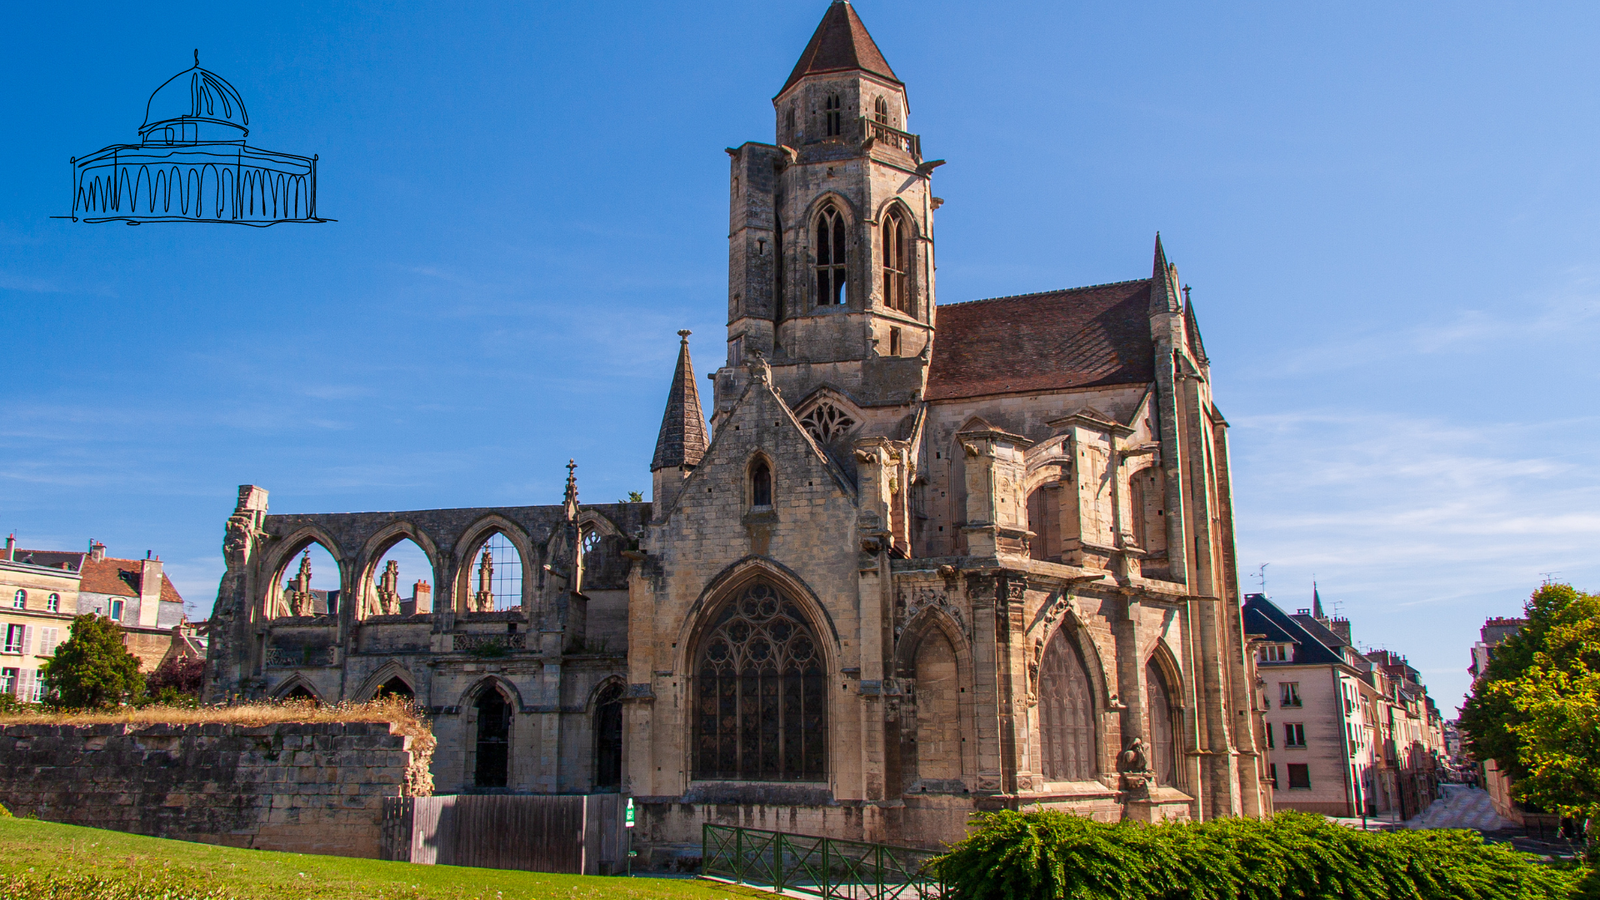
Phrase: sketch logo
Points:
(194, 166)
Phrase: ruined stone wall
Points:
(307, 788)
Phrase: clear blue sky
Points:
(1388, 213)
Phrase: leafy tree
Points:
(633, 497)
(92, 668)
(1490, 716)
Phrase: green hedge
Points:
(1053, 856)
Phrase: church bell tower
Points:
(830, 246)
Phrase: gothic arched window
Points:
(760, 693)
(880, 111)
(1163, 725)
(395, 687)
(896, 262)
(1066, 713)
(760, 483)
(831, 258)
(494, 739)
(833, 114)
(608, 738)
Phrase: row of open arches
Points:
(489, 724)
(401, 576)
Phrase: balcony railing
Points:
(900, 140)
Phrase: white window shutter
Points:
(25, 686)
(27, 640)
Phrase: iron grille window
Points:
(896, 292)
(760, 693)
(833, 115)
(1066, 713)
(1163, 731)
(831, 258)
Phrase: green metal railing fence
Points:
(818, 866)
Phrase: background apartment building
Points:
(42, 590)
(1347, 733)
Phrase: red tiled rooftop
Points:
(1055, 340)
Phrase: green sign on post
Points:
(627, 818)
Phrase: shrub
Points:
(1050, 855)
(176, 678)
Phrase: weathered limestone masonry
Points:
(925, 560)
(308, 788)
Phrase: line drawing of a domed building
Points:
(192, 165)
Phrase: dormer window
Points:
(1275, 653)
(833, 115)
(831, 258)
(880, 111)
(760, 484)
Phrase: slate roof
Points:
(121, 578)
(51, 558)
(1055, 340)
(840, 44)
(1262, 616)
(682, 440)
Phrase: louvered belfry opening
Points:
(1066, 713)
(832, 258)
(760, 693)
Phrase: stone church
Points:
(922, 560)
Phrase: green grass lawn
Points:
(66, 862)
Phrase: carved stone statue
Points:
(1133, 767)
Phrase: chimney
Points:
(11, 547)
(1341, 627)
(97, 551)
(150, 581)
(422, 597)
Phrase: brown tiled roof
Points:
(120, 578)
(840, 44)
(1074, 338)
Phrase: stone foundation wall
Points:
(309, 788)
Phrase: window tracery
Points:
(826, 422)
(832, 258)
(896, 290)
(760, 693)
(1066, 713)
(880, 111)
(1163, 730)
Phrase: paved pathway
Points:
(1461, 806)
